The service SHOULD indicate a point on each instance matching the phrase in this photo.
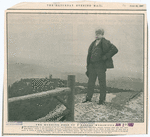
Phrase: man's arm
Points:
(89, 54)
(111, 52)
(88, 60)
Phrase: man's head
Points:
(99, 33)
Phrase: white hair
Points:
(100, 31)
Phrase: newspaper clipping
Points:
(76, 68)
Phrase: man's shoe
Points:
(86, 101)
(101, 103)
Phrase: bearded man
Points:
(99, 59)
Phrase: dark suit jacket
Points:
(108, 51)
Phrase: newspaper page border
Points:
(145, 66)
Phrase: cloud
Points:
(64, 39)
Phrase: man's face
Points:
(98, 36)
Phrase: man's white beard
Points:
(98, 38)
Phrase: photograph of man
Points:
(99, 59)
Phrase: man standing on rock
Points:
(99, 58)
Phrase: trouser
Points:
(96, 70)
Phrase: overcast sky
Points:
(54, 39)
